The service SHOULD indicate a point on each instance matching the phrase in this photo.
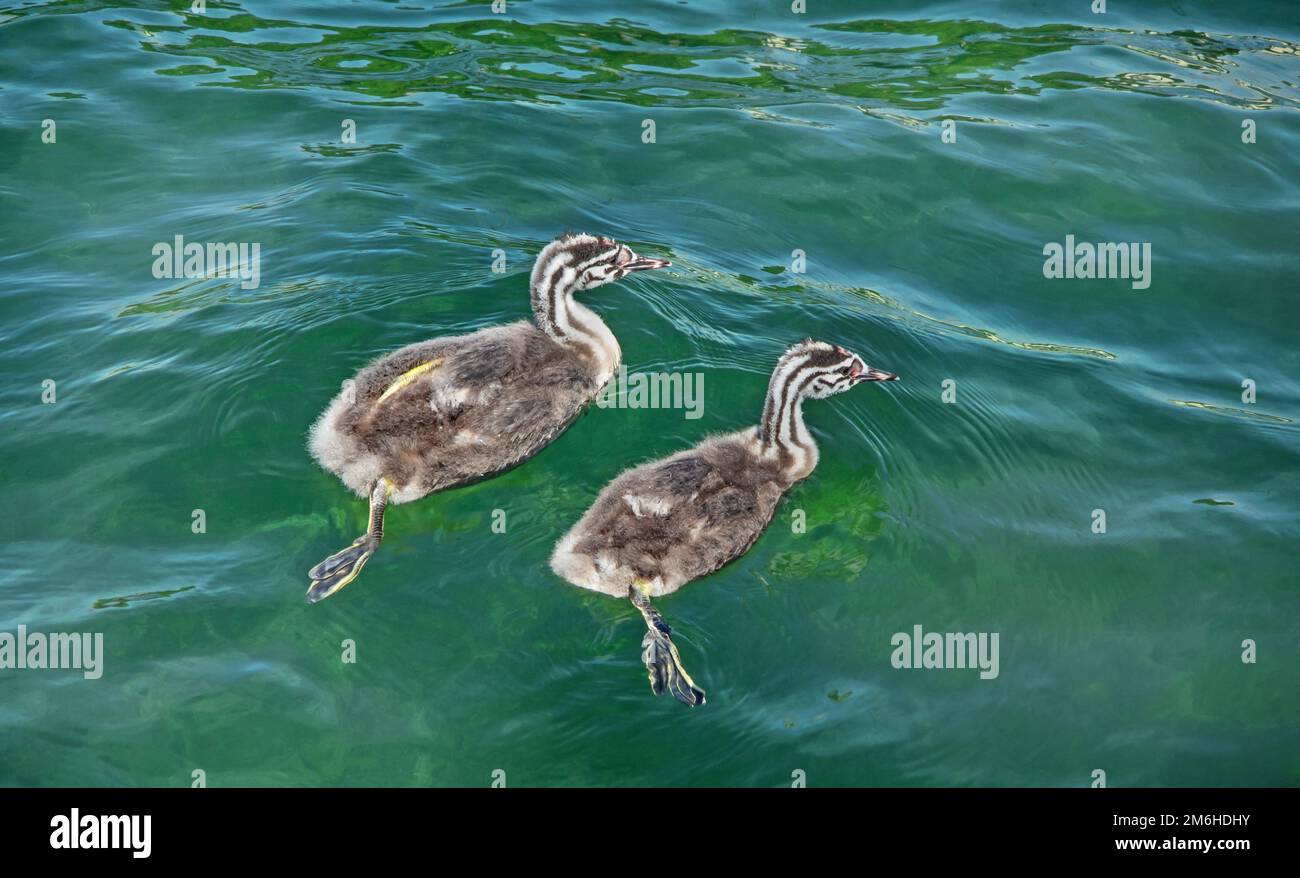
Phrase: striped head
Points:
(810, 368)
(818, 369)
(578, 262)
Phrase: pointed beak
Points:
(870, 374)
(644, 263)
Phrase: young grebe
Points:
(662, 524)
(443, 412)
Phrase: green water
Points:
(773, 132)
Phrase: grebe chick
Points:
(443, 412)
(664, 523)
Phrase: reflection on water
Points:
(899, 70)
(1233, 412)
(126, 600)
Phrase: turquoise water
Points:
(774, 132)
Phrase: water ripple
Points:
(902, 71)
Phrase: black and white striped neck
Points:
(564, 319)
(782, 433)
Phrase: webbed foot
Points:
(342, 567)
(662, 661)
(339, 569)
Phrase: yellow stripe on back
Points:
(406, 378)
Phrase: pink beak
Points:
(870, 374)
(644, 263)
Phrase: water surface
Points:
(774, 132)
